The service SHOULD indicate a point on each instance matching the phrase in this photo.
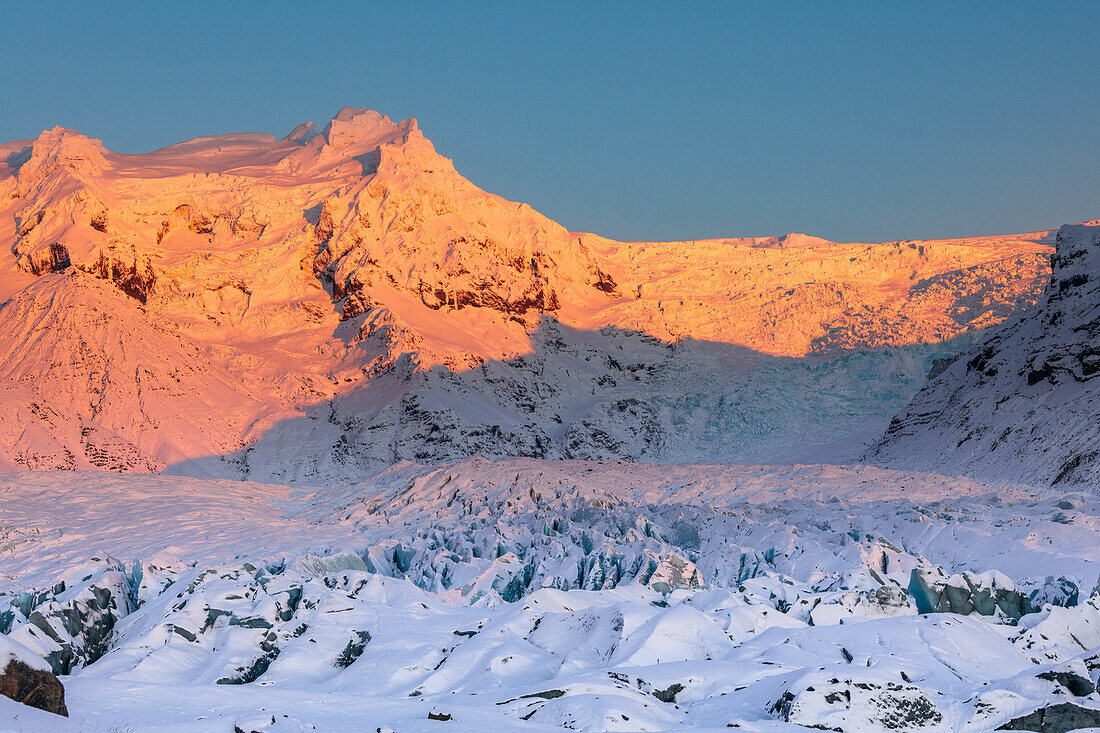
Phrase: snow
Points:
(761, 594)
(314, 434)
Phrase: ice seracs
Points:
(498, 593)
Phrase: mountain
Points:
(388, 411)
(1024, 403)
(302, 309)
(89, 381)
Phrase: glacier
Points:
(312, 433)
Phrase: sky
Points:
(851, 121)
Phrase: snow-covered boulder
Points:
(673, 573)
(866, 704)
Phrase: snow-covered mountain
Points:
(397, 355)
(301, 309)
(1023, 404)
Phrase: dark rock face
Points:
(669, 694)
(1023, 403)
(37, 688)
(1078, 685)
(1056, 719)
(354, 649)
(132, 279)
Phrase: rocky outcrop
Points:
(25, 678)
(35, 687)
(1073, 676)
(1024, 404)
(1058, 718)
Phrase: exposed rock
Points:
(35, 687)
(669, 693)
(1058, 718)
(1073, 676)
(354, 649)
(1024, 404)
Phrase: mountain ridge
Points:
(1024, 402)
(352, 284)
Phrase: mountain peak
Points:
(353, 126)
(797, 239)
(304, 132)
(60, 146)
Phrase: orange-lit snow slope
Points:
(295, 309)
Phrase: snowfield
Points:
(537, 595)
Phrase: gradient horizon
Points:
(635, 121)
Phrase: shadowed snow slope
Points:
(205, 306)
(1024, 403)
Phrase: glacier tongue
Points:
(535, 595)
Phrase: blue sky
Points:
(852, 121)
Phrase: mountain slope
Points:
(358, 302)
(88, 381)
(1024, 403)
